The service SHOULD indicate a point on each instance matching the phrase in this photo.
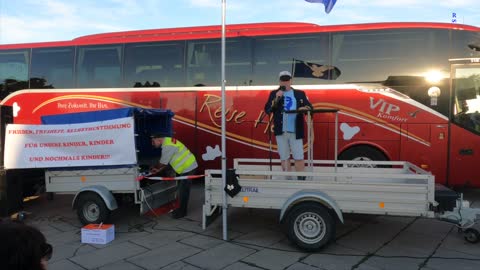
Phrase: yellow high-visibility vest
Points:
(182, 159)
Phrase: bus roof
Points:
(232, 30)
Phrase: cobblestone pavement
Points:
(256, 241)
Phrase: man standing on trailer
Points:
(288, 127)
(176, 157)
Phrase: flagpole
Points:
(294, 62)
(224, 147)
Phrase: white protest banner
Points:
(101, 143)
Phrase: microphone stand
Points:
(269, 125)
(270, 140)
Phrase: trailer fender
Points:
(103, 192)
(311, 196)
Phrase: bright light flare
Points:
(434, 76)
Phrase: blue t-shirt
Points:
(289, 103)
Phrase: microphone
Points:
(283, 89)
(277, 100)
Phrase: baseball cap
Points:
(284, 73)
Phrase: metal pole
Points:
(336, 142)
(224, 146)
(310, 141)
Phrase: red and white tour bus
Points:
(406, 91)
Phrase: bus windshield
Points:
(466, 44)
(466, 85)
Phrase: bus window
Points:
(374, 56)
(463, 41)
(13, 71)
(52, 68)
(99, 66)
(204, 60)
(154, 64)
(402, 59)
(467, 98)
(276, 53)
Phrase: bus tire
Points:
(310, 226)
(92, 209)
(363, 153)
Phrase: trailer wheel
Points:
(471, 235)
(310, 226)
(91, 209)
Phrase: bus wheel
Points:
(92, 209)
(310, 226)
(362, 153)
(471, 235)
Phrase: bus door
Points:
(464, 136)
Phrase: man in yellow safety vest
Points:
(175, 156)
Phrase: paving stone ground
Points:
(256, 241)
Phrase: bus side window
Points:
(374, 55)
(276, 53)
(204, 62)
(154, 64)
(99, 66)
(52, 68)
(13, 71)
(201, 70)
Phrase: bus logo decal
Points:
(348, 131)
(212, 153)
(385, 106)
(16, 109)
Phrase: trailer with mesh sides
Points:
(310, 208)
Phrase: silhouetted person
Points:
(23, 247)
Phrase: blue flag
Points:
(328, 4)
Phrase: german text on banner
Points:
(88, 144)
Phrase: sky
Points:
(53, 20)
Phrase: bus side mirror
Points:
(434, 92)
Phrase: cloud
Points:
(379, 3)
(206, 3)
(458, 3)
(51, 20)
(59, 8)
(56, 20)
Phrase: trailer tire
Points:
(471, 235)
(310, 226)
(92, 209)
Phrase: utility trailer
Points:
(97, 189)
(309, 209)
